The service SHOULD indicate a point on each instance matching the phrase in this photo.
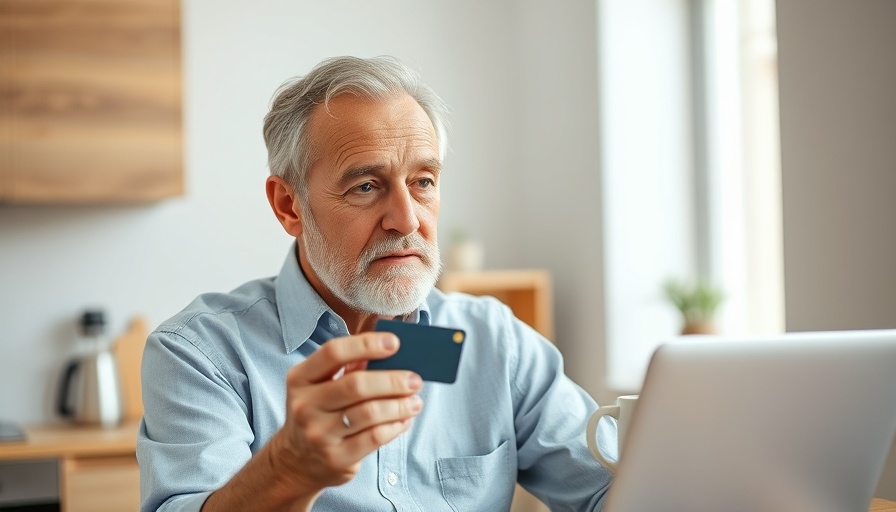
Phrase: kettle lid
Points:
(93, 321)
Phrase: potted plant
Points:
(697, 303)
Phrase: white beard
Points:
(399, 291)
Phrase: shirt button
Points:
(334, 325)
(392, 479)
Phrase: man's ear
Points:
(285, 203)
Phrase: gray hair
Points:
(289, 151)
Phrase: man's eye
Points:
(426, 182)
(364, 187)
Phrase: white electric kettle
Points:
(90, 389)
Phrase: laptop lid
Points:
(795, 422)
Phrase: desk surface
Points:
(69, 441)
(60, 441)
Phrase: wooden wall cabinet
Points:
(90, 101)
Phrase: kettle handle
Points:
(62, 404)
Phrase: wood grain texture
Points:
(91, 97)
(882, 506)
(128, 349)
(527, 292)
(101, 484)
(70, 441)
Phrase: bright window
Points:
(691, 178)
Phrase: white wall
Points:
(838, 151)
(522, 174)
(838, 160)
(558, 167)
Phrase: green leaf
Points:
(696, 301)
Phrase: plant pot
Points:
(705, 327)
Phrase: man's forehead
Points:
(351, 109)
(350, 125)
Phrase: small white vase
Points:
(468, 256)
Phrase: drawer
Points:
(29, 482)
(101, 484)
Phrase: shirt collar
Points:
(300, 308)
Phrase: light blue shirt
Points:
(214, 393)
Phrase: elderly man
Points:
(260, 399)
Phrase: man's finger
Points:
(375, 412)
(339, 352)
(357, 387)
(358, 446)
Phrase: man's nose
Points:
(401, 213)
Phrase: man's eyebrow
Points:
(353, 173)
(433, 164)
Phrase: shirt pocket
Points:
(481, 482)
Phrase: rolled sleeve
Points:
(194, 435)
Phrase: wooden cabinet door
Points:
(91, 93)
(100, 484)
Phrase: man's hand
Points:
(316, 448)
(332, 423)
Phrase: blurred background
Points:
(614, 143)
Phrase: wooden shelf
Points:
(878, 505)
(526, 291)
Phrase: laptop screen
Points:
(795, 422)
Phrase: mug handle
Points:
(591, 434)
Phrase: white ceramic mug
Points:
(622, 411)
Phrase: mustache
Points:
(414, 242)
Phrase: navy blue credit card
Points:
(431, 352)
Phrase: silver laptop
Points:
(797, 422)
